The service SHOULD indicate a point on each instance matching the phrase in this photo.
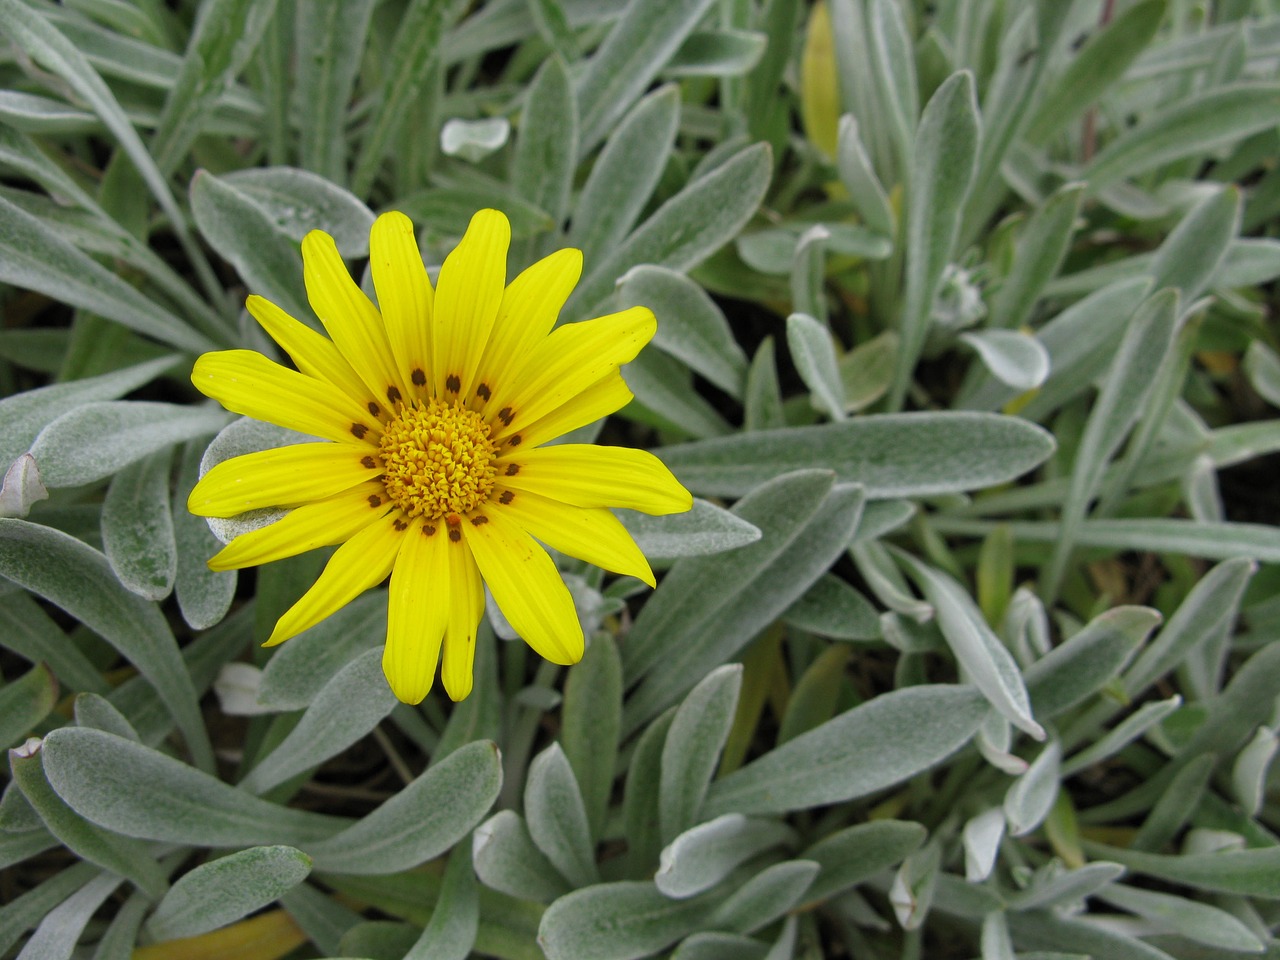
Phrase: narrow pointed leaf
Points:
(223, 891)
(859, 752)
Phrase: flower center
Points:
(438, 459)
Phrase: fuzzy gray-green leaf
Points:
(1190, 126)
(95, 440)
(617, 921)
(890, 455)
(349, 706)
(138, 529)
(861, 751)
(557, 819)
(686, 229)
(222, 891)
(420, 822)
(943, 163)
(78, 579)
(139, 792)
(693, 746)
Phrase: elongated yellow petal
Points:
(468, 292)
(362, 562)
(313, 353)
(605, 396)
(466, 607)
(417, 613)
(404, 295)
(590, 476)
(248, 383)
(319, 524)
(353, 322)
(592, 534)
(569, 361)
(529, 308)
(526, 585)
(283, 477)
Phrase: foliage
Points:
(966, 345)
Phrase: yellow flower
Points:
(436, 406)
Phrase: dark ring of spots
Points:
(368, 462)
(418, 377)
(373, 408)
(393, 394)
(513, 469)
(455, 534)
(507, 496)
(453, 383)
(358, 430)
(479, 521)
(400, 525)
(375, 500)
(483, 391)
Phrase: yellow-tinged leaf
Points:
(267, 936)
(995, 574)
(819, 84)
(1064, 832)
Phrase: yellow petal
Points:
(602, 398)
(569, 361)
(590, 476)
(468, 292)
(283, 477)
(353, 322)
(466, 607)
(591, 534)
(362, 562)
(529, 308)
(525, 584)
(313, 525)
(312, 353)
(417, 613)
(404, 294)
(248, 383)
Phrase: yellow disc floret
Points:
(438, 459)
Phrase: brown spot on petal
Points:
(400, 525)
(428, 530)
(483, 392)
(514, 440)
(375, 500)
(452, 383)
(373, 407)
(479, 521)
(368, 462)
(393, 394)
(455, 534)
(418, 377)
(506, 415)
(513, 469)
(358, 430)
(507, 496)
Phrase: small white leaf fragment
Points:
(21, 487)
(237, 689)
(982, 836)
(473, 140)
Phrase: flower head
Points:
(433, 409)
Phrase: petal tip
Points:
(407, 689)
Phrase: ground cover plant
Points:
(910, 593)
